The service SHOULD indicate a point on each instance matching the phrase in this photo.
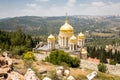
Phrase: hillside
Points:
(44, 25)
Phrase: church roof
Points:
(81, 35)
(73, 39)
(51, 37)
(83, 51)
(66, 26)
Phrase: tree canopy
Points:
(17, 42)
(59, 57)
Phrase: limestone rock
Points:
(15, 76)
(66, 72)
(46, 78)
(61, 71)
(30, 75)
(70, 78)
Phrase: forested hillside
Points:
(17, 42)
(44, 25)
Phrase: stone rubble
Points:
(7, 72)
(65, 73)
(62, 71)
(70, 78)
(30, 75)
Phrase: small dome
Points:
(81, 36)
(51, 37)
(66, 27)
(83, 51)
(73, 39)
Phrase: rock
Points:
(6, 69)
(66, 72)
(5, 54)
(5, 65)
(46, 78)
(43, 70)
(91, 75)
(60, 68)
(30, 75)
(62, 71)
(15, 76)
(70, 78)
(7, 73)
(59, 72)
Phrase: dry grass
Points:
(45, 65)
(77, 71)
(80, 74)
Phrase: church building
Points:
(67, 39)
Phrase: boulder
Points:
(47, 78)
(30, 75)
(70, 78)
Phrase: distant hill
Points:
(44, 25)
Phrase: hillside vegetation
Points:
(17, 42)
(44, 25)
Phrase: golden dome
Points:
(73, 39)
(83, 51)
(66, 27)
(51, 37)
(81, 36)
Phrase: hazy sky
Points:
(12, 8)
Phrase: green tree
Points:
(16, 42)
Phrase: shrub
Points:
(112, 62)
(59, 57)
(28, 59)
(102, 67)
(29, 56)
(75, 62)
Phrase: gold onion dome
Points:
(51, 37)
(66, 27)
(83, 51)
(81, 36)
(73, 39)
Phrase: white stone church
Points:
(66, 40)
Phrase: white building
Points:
(66, 39)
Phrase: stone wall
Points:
(112, 69)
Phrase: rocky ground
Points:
(15, 69)
(7, 71)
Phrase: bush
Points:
(28, 59)
(29, 56)
(112, 62)
(75, 62)
(102, 67)
(59, 57)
